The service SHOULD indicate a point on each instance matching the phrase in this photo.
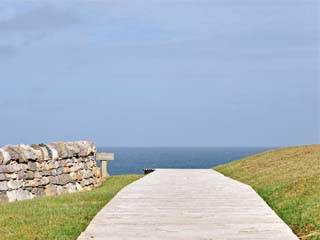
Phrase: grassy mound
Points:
(59, 217)
(289, 181)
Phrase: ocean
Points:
(132, 160)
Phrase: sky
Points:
(160, 72)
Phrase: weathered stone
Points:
(50, 190)
(74, 168)
(36, 182)
(3, 186)
(53, 179)
(59, 171)
(86, 182)
(2, 177)
(44, 181)
(10, 149)
(15, 184)
(39, 166)
(13, 176)
(39, 192)
(61, 179)
(37, 174)
(70, 187)
(61, 149)
(69, 163)
(54, 172)
(90, 164)
(38, 151)
(21, 153)
(49, 166)
(29, 175)
(19, 195)
(79, 187)
(97, 172)
(45, 156)
(74, 176)
(54, 169)
(4, 157)
(22, 167)
(27, 153)
(31, 183)
(6, 169)
(54, 153)
(46, 173)
(60, 190)
(73, 149)
(20, 175)
(86, 148)
(62, 162)
(32, 166)
(66, 170)
(87, 174)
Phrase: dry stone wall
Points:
(29, 171)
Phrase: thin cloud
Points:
(7, 51)
(40, 18)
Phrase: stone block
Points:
(37, 174)
(4, 186)
(61, 179)
(59, 171)
(38, 192)
(3, 177)
(86, 148)
(10, 149)
(29, 175)
(87, 174)
(96, 171)
(61, 149)
(44, 181)
(47, 152)
(27, 153)
(49, 166)
(19, 194)
(7, 169)
(73, 149)
(30, 183)
(32, 166)
(86, 182)
(20, 175)
(4, 157)
(12, 176)
(15, 184)
(79, 187)
(60, 190)
(50, 190)
(70, 188)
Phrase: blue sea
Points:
(131, 160)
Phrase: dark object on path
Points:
(148, 170)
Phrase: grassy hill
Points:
(289, 181)
(58, 217)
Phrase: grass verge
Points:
(289, 181)
(59, 217)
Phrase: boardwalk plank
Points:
(187, 204)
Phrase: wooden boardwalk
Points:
(187, 204)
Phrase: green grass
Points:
(59, 217)
(289, 181)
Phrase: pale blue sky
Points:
(160, 72)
